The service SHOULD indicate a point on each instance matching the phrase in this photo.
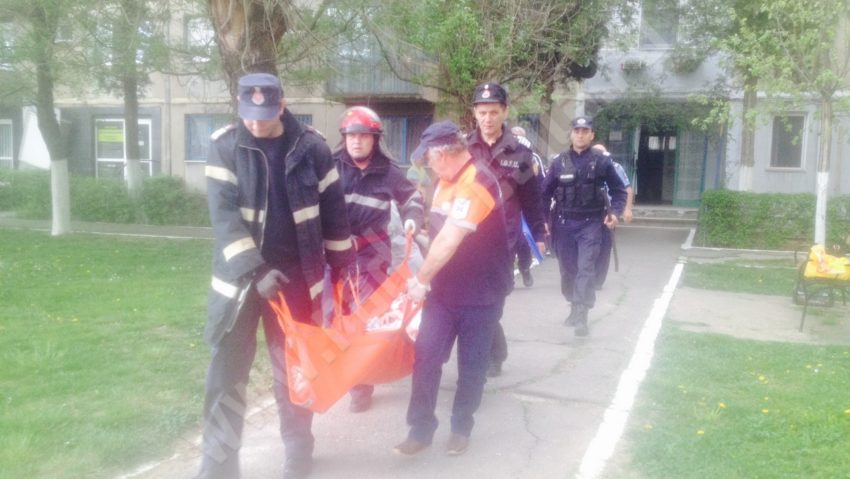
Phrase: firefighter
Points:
(372, 181)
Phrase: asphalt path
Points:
(535, 421)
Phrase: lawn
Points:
(714, 406)
(102, 354)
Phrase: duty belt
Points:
(584, 215)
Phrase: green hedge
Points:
(163, 200)
(776, 221)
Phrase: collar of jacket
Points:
(379, 164)
(291, 127)
(507, 142)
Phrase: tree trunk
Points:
(748, 138)
(45, 26)
(125, 49)
(131, 134)
(823, 170)
(248, 33)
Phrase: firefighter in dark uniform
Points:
(371, 181)
(510, 159)
(576, 180)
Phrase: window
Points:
(304, 119)
(786, 150)
(402, 134)
(109, 147)
(198, 131)
(659, 23)
(7, 46)
(7, 149)
(199, 38)
(659, 143)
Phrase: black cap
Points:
(583, 122)
(441, 133)
(490, 93)
(259, 96)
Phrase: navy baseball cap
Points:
(490, 93)
(583, 122)
(259, 96)
(437, 134)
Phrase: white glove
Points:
(416, 290)
(409, 227)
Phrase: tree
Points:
(532, 45)
(799, 54)
(711, 25)
(40, 56)
(248, 34)
(125, 44)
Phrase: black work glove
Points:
(271, 283)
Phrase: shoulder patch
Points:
(217, 134)
(311, 129)
(523, 141)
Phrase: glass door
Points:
(111, 156)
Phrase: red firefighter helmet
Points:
(359, 119)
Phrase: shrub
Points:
(166, 201)
(735, 219)
(162, 200)
(26, 192)
(103, 200)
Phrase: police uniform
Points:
(511, 161)
(576, 181)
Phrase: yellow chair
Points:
(822, 273)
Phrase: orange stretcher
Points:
(364, 347)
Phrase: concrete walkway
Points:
(556, 393)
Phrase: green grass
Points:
(757, 277)
(101, 347)
(714, 406)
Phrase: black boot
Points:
(581, 322)
(571, 319)
(527, 279)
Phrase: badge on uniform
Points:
(460, 208)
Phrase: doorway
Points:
(656, 168)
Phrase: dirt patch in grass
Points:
(758, 317)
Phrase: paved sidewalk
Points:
(537, 419)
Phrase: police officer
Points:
(372, 182)
(510, 159)
(576, 180)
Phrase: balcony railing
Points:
(355, 79)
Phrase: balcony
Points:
(373, 79)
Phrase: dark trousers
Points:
(603, 262)
(441, 324)
(227, 378)
(523, 254)
(577, 243)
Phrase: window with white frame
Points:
(659, 23)
(110, 153)
(199, 38)
(7, 46)
(7, 147)
(199, 128)
(786, 150)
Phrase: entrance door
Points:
(656, 168)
